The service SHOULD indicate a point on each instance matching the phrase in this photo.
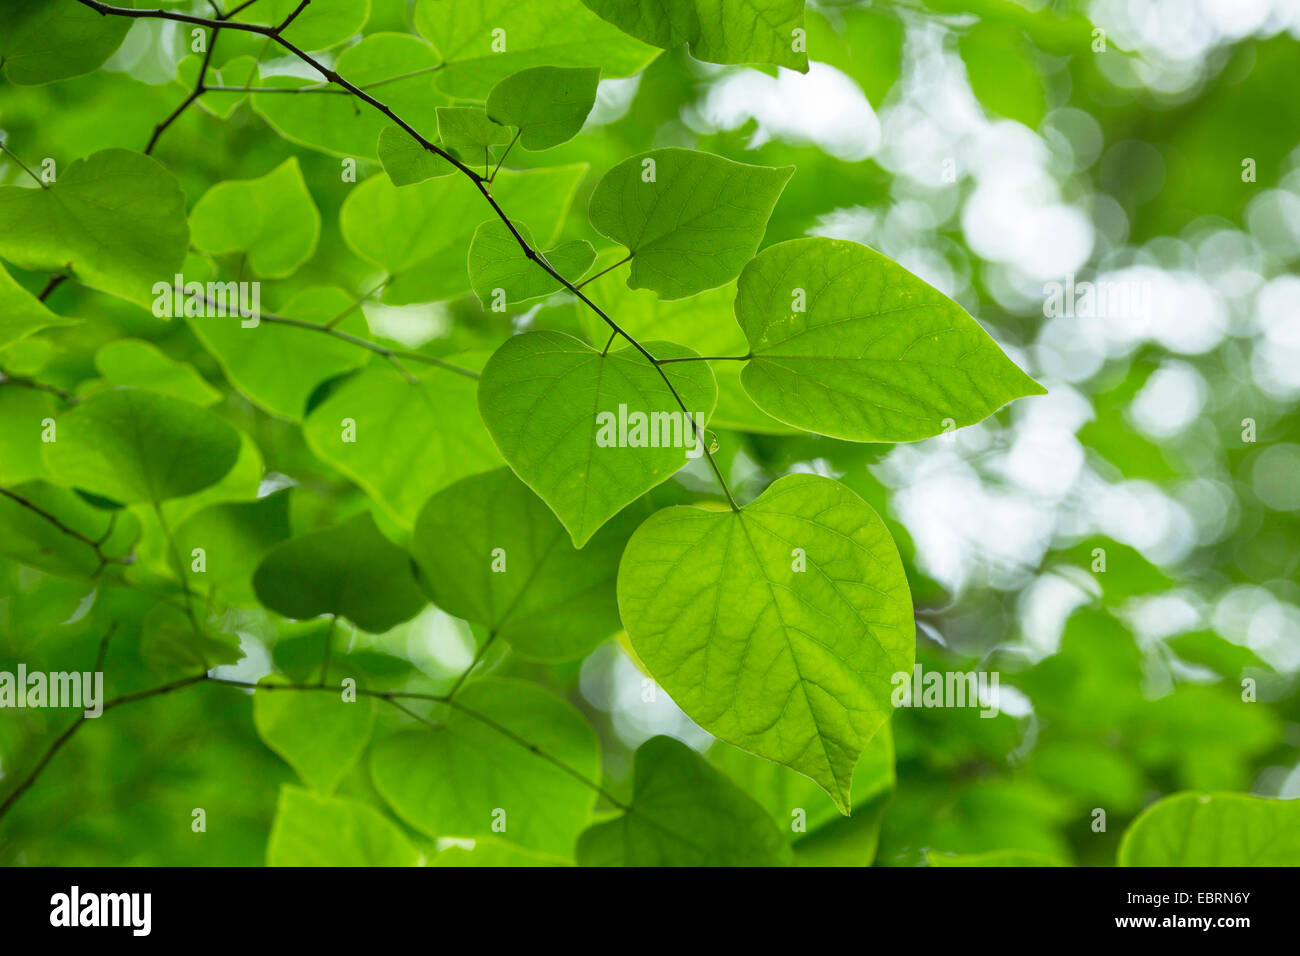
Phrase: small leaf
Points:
(314, 830)
(1214, 829)
(406, 161)
(684, 813)
(777, 627)
(555, 405)
(116, 219)
(399, 441)
(718, 31)
(272, 219)
(491, 552)
(547, 104)
(848, 344)
(131, 445)
(468, 779)
(169, 639)
(499, 267)
(317, 733)
(690, 219)
(469, 132)
(350, 570)
(138, 364)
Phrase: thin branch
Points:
(54, 282)
(21, 382)
(626, 258)
(514, 140)
(92, 544)
(478, 659)
(199, 90)
(23, 166)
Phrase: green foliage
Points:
(800, 599)
(520, 481)
(1214, 829)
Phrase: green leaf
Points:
(419, 233)
(272, 219)
(719, 31)
(777, 628)
(397, 65)
(315, 830)
(467, 778)
(690, 219)
(547, 104)
(406, 161)
(1214, 829)
(138, 364)
(405, 442)
(132, 445)
(484, 42)
(168, 638)
(349, 570)
(234, 536)
(279, 366)
(469, 132)
(849, 344)
(44, 42)
(494, 853)
(553, 405)
(319, 25)
(21, 313)
(25, 412)
(491, 552)
(318, 733)
(684, 813)
(116, 220)
(503, 275)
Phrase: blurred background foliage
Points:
(993, 147)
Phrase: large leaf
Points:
(419, 233)
(272, 220)
(719, 31)
(315, 830)
(483, 42)
(115, 219)
(777, 627)
(467, 778)
(21, 313)
(43, 42)
(490, 551)
(132, 445)
(501, 273)
(279, 366)
(350, 570)
(684, 813)
(547, 397)
(408, 440)
(318, 733)
(690, 219)
(1214, 829)
(849, 344)
(547, 104)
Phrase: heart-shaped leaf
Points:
(684, 813)
(547, 104)
(777, 627)
(132, 445)
(503, 275)
(350, 570)
(588, 432)
(849, 344)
